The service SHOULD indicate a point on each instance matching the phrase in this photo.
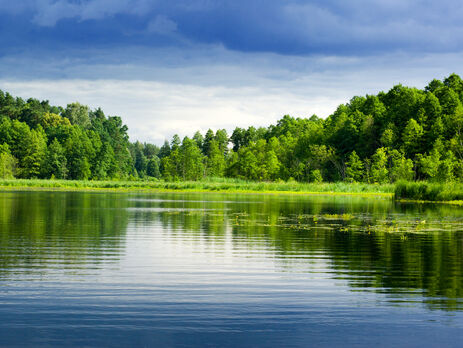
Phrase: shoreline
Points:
(187, 190)
(360, 190)
(224, 187)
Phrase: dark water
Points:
(97, 269)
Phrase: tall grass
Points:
(421, 190)
(429, 191)
(210, 184)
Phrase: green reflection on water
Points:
(64, 230)
(372, 244)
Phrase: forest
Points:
(403, 134)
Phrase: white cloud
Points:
(161, 92)
(162, 25)
(156, 110)
(49, 12)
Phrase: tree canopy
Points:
(403, 134)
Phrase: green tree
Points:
(171, 165)
(140, 160)
(153, 166)
(34, 147)
(199, 139)
(401, 167)
(221, 137)
(429, 163)
(354, 168)
(412, 137)
(79, 153)
(237, 138)
(150, 150)
(271, 160)
(78, 114)
(215, 161)
(175, 143)
(247, 164)
(207, 142)
(115, 132)
(379, 171)
(192, 160)
(165, 150)
(55, 161)
(105, 166)
(445, 172)
(388, 138)
(432, 106)
(316, 176)
(8, 163)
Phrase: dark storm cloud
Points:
(291, 27)
(172, 66)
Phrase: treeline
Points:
(403, 134)
(42, 141)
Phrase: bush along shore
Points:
(429, 191)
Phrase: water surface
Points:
(106, 269)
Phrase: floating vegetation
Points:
(345, 217)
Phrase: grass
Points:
(208, 185)
(402, 190)
(429, 191)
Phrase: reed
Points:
(209, 184)
(429, 191)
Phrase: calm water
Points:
(98, 269)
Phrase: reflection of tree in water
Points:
(371, 244)
(58, 228)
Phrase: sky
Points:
(179, 66)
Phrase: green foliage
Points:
(34, 147)
(191, 160)
(412, 137)
(379, 171)
(216, 160)
(354, 168)
(401, 134)
(8, 163)
(316, 176)
(429, 163)
(428, 191)
(78, 114)
(152, 169)
(401, 167)
(55, 162)
(388, 137)
(171, 165)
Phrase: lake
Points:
(228, 270)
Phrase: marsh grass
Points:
(429, 191)
(210, 184)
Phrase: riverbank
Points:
(211, 185)
(417, 192)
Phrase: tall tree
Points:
(354, 168)
(8, 163)
(55, 164)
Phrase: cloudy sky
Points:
(178, 66)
